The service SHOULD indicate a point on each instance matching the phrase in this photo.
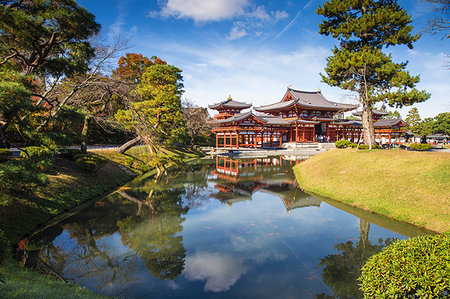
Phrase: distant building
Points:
(301, 116)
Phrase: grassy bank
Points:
(66, 186)
(413, 187)
(24, 283)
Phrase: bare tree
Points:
(196, 120)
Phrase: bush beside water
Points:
(414, 268)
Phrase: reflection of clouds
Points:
(258, 248)
(220, 271)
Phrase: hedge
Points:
(413, 268)
(420, 147)
(342, 143)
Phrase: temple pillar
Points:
(237, 139)
(217, 140)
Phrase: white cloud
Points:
(204, 10)
(221, 271)
(237, 31)
(280, 14)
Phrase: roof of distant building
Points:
(306, 99)
(230, 103)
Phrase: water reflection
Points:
(238, 179)
(217, 228)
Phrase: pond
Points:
(219, 228)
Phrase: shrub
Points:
(353, 145)
(5, 154)
(414, 268)
(89, 162)
(40, 156)
(4, 247)
(342, 143)
(70, 153)
(365, 146)
(420, 147)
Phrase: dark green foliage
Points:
(365, 146)
(342, 143)
(353, 145)
(70, 153)
(420, 147)
(20, 176)
(5, 154)
(364, 29)
(414, 268)
(47, 36)
(89, 162)
(40, 156)
(4, 247)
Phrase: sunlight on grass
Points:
(408, 186)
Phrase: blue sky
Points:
(254, 49)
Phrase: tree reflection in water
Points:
(341, 271)
(149, 232)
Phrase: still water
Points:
(220, 228)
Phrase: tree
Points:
(154, 110)
(364, 29)
(196, 120)
(132, 66)
(439, 23)
(413, 120)
(48, 39)
(393, 115)
(47, 36)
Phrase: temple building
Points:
(300, 116)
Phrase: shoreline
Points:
(410, 187)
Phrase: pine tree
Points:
(413, 120)
(364, 29)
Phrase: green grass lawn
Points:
(409, 186)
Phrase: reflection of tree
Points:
(156, 237)
(340, 271)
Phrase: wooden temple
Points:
(384, 128)
(300, 116)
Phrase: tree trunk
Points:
(127, 145)
(84, 133)
(367, 122)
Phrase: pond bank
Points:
(412, 187)
(69, 188)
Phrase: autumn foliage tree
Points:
(154, 107)
(364, 29)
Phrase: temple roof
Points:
(266, 119)
(382, 123)
(230, 103)
(306, 99)
(395, 122)
(374, 112)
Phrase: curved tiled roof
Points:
(307, 99)
(374, 112)
(230, 103)
(389, 123)
(266, 119)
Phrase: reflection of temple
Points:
(237, 180)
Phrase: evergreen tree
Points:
(413, 120)
(364, 29)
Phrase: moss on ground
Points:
(409, 186)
